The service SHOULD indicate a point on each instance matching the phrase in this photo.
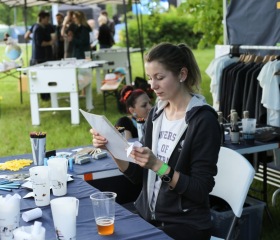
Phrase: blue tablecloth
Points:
(127, 225)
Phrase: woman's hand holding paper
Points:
(98, 141)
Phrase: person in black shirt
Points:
(105, 37)
(59, 40)
(42, 43)
(81, 35)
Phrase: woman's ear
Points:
(131, 110)
(183, 74)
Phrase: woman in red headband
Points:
(138, 105)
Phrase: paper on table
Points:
(32, 214)
(117, 144)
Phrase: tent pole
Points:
(127, 41)
(25, 23)
(140, 35)
(225, 22)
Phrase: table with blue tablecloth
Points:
(127, 224)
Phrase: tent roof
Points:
(30, 3)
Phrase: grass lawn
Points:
(15, 123)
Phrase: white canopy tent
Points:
(31, 3)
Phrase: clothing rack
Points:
(248, 47)
(234, 49)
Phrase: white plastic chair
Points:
(235, 175)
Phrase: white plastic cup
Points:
(88, 55)
(41, 185)
(9, 216)
(248, 130)
(103, 204)
(64, 213)
(58, 175)
(38, 146)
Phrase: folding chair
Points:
(235, 175)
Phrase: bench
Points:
(110, 88)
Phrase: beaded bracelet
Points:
(162, 169)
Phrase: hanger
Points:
(242, 57)
(251, 58)
(266, 58)
(272, 57)
(258, 59)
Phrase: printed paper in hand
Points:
(117, 144)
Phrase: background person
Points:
(105, 38)
(177, 163)
(80, 38)
(110, 22)
(42, 43)
(138, 105)
(59, 39)
(67, 31)
(93, 35)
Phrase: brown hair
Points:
(174, 58)
(129, 95)
(81, 18)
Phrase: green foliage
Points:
(12, 15)
(162, 27)
(209, 16)
(6, 14)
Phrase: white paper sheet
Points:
(132, 145)
(117, 144)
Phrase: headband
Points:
(126, 95)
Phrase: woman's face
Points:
(142, 106)
(163, 82)
(75, 19)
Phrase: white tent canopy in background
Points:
(30, 3)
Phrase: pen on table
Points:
(10, 183)
(7, 186)
(4, 181)
(6, 189)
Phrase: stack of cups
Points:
(33, 232)
(9, 215)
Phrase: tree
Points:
(6, 14)
(209, 16)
